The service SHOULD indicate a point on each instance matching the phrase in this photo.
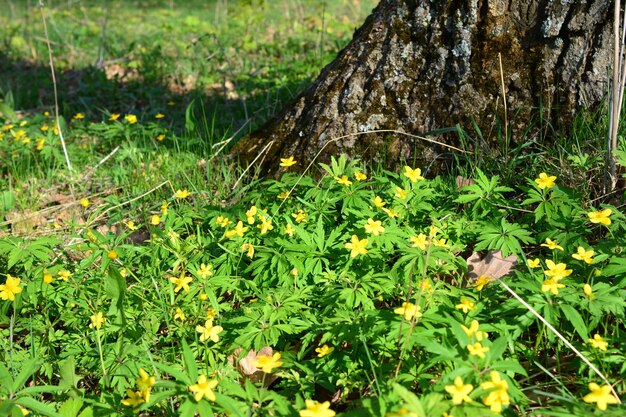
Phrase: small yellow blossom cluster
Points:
(144, 384)
(475, 347)
(497, 392)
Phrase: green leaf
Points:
(189, 361)
(29, 367)
(574, 317)
(38, 407)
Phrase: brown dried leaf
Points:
(493, 266)
(246, 368)
(463, 182)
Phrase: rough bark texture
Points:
(418, 66)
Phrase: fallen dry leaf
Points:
(492, 266)
(463, 182)
(246, 368)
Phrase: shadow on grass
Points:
(219, 110)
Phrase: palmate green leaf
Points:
(231, 406)
(505, 237)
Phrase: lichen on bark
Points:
(417, 66)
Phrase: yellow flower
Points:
(179, 315)
(401, 193)
(584, 255)
(477, 349)
(283, 195)
(481, 281)
(533, 263)
(64, 275)
(112, 255)
(79, 116)
(498, 395)
(171, 103)
(419, 241)
(441, 243)
(131, 225)
(131, 118)
(356, 246)
(205, 271)
(466, 305)
(459, 391)
(208, 331)
(239, 230)
(248, 247)
(145, 382)
(294, 272)
(250, 214)
(222, 221)
(473, 332)
(203, 297)
(551, 244)
(211, 314)
(44, 128)
(40, 144)
(155, 219)
(161, 137)
(24, 410)
(601, 216)
(601, 395)
(182, 282)
(287, 162)
(324, 350)
(413, 174)
(551, 285)
(587, 290)
(289, 230)
(8, 127)
(181, 194)
(84, 202)
(159, 116)
(317, 409)
(133, 398)
(544, 181)
(268, 363)
(203, 388)
(409, 310)
(557, 271)
(374, 227)
(390, 212)
(114, 117)
(300, 216)
(266, 225)
(47, 278)
(359, 176)
(97, 320)
(598, 342)
(344, 180)
(378, 202)
(10, 288)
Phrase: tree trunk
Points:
(418, 66)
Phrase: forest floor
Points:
(143, 271)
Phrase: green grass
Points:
(156, 267)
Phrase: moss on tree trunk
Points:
(417, 66)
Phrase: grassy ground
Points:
(154, 278)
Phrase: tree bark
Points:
(418, 66)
